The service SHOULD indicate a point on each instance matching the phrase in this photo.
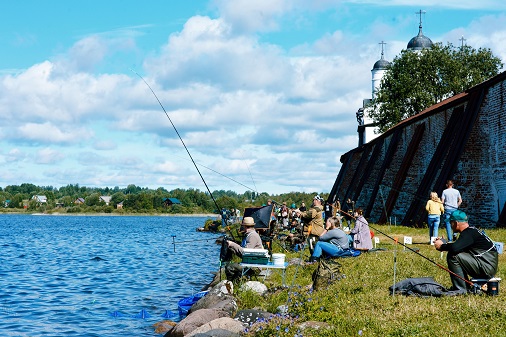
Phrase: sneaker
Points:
(312, 259)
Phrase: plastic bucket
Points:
(278, 259)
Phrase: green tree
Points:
(116, 198)
(93, 200)
(417, 80)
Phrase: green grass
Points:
(361, 304)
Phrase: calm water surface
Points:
(91, 275)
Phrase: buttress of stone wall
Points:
(345, 189)
(482, 168)
(463, 139)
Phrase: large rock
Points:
(255, 286)
(164, 326)
(195, 320)
(250, 316)
(217, 333)
(219, 297)
(224, 323)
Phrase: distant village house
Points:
(171, 201)
(40, 199)
(106, 199)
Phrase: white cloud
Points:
(48, 156)
(253, 16)
(49, 133)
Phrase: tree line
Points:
(136, 199)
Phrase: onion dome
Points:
(381, 64)
(420, 41)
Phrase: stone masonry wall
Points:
(480, 172)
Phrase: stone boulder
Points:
(164, 326)
(217, 333)
(250, 316)
(255, 286)
(195, 320)
(224, 323)
(219, 297)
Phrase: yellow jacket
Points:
(434, 208)
(313, 218)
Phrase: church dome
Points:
(381, 64)
(420, 41)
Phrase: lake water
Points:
(91, 275)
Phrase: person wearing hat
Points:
(314, 221)
(472, 255)
(251, 238)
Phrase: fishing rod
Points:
(221, 174)
(416, 252)
(180, 138)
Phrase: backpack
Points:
(418, 286)
(328, 272)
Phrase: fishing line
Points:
(416, 252)
(245, 162)
(180, 138)
(221, 174)
(186, 241)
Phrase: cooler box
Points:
(255, 256)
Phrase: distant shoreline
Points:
(199, 215)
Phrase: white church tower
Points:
(378, 70)
(365, 123)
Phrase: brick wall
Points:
(462, 138)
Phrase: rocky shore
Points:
(217, 315)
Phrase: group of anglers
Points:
(473, 255)
(324, 238)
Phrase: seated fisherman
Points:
(473, 254)
(251, 240)
(333, 241)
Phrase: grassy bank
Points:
(360, 304)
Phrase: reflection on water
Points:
(98, 275)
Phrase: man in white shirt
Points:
(451, 200)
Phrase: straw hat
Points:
(248, 222)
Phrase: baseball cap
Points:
(317, 197)
(458, 216)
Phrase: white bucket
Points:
(278, 259)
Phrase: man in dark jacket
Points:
(473, 254)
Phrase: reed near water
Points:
(361, 305)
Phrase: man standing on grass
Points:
(451, 200)
(473, 254)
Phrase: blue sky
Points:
(263, 92)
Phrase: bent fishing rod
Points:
(184, 145)
(418, 253)
(180, 138)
